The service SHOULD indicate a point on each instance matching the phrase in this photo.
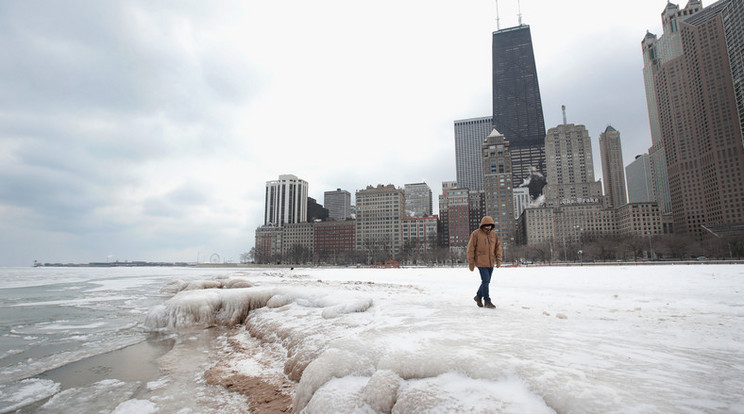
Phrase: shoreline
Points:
(137, 362)
(132, 363)
(366, 266)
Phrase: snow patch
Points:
(136, 407)
(453, 392)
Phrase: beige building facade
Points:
(570, 166)
(379, 212)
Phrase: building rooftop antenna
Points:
(563, 109)
(498, 26)
(519, 12)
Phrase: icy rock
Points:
(204, 308)
(237, 283)
(203, 284)
(173, 286)
(381, 391)
(333, 363)
(338, 396)
(360, 305)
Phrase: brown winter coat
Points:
(484, 248)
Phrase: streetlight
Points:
(581, 251)
(650, 247)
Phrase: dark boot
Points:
(489, 304)
(478, 301)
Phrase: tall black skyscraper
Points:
(517, 108)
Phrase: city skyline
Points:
(135, 131)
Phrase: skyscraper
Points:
(640, 185)
(698, 119)
(497, 184)
(517, 107)
(286, 201)
(338, 204)
(469, 135)
(611, 154)
(570, 167)
(656, 53)
(733, 22)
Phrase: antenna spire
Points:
(563, 109)
(498, 26)
(519, 12)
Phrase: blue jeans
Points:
(485, 274)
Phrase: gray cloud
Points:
(92, 92)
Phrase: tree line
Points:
(627, 248)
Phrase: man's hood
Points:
(487, 220)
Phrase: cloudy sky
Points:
(146, 130)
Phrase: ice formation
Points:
(207, 307)
(25, 392)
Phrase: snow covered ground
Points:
(611, 339)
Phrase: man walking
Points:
(484, 251)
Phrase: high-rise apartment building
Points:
(698, 120)
(517, 107)
(444, 213)
(456, 223)
(286, 201)
(611, 154)
(379, 211)
(521, 200)
(419, 234)
(640, 185)
(497, 184)
(469, 135)
(570, 167)
(338, 204)
(418, 200)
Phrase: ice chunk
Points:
(103, 396)
(136, 407)
(25, 392)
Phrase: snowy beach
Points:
(611, 339)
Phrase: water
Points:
(59, 326)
